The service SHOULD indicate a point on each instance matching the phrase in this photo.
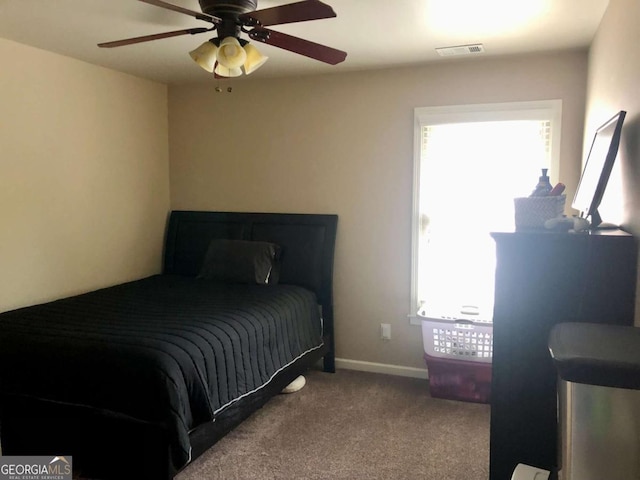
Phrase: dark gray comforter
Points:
(169, 350)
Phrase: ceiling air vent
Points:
(460, 50)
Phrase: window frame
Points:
(426, 116)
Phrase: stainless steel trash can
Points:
(599, 400)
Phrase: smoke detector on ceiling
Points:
(460, 50)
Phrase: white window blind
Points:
(470, 167)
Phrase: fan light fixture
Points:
(205, 56)
(254, 59)
(227, 57)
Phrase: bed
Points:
(139, 379)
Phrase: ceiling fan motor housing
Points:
(228, 8)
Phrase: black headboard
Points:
(307, 242)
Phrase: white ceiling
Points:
(374, 33)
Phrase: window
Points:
(470, 163)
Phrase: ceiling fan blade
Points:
(157, 36)
(293, 12)
(298, 45)
(199, 15)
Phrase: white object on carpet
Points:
(296, 385)
(527, 472)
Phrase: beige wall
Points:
(613, 83)
(343, 144)
(84, 180)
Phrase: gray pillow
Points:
(241, 261)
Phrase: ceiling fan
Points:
(227, 55)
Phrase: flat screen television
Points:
(597, 169)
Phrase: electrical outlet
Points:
(385, 331)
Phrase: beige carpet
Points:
(354, 425)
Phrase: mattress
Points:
(168, 350)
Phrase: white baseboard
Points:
(381, 368)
